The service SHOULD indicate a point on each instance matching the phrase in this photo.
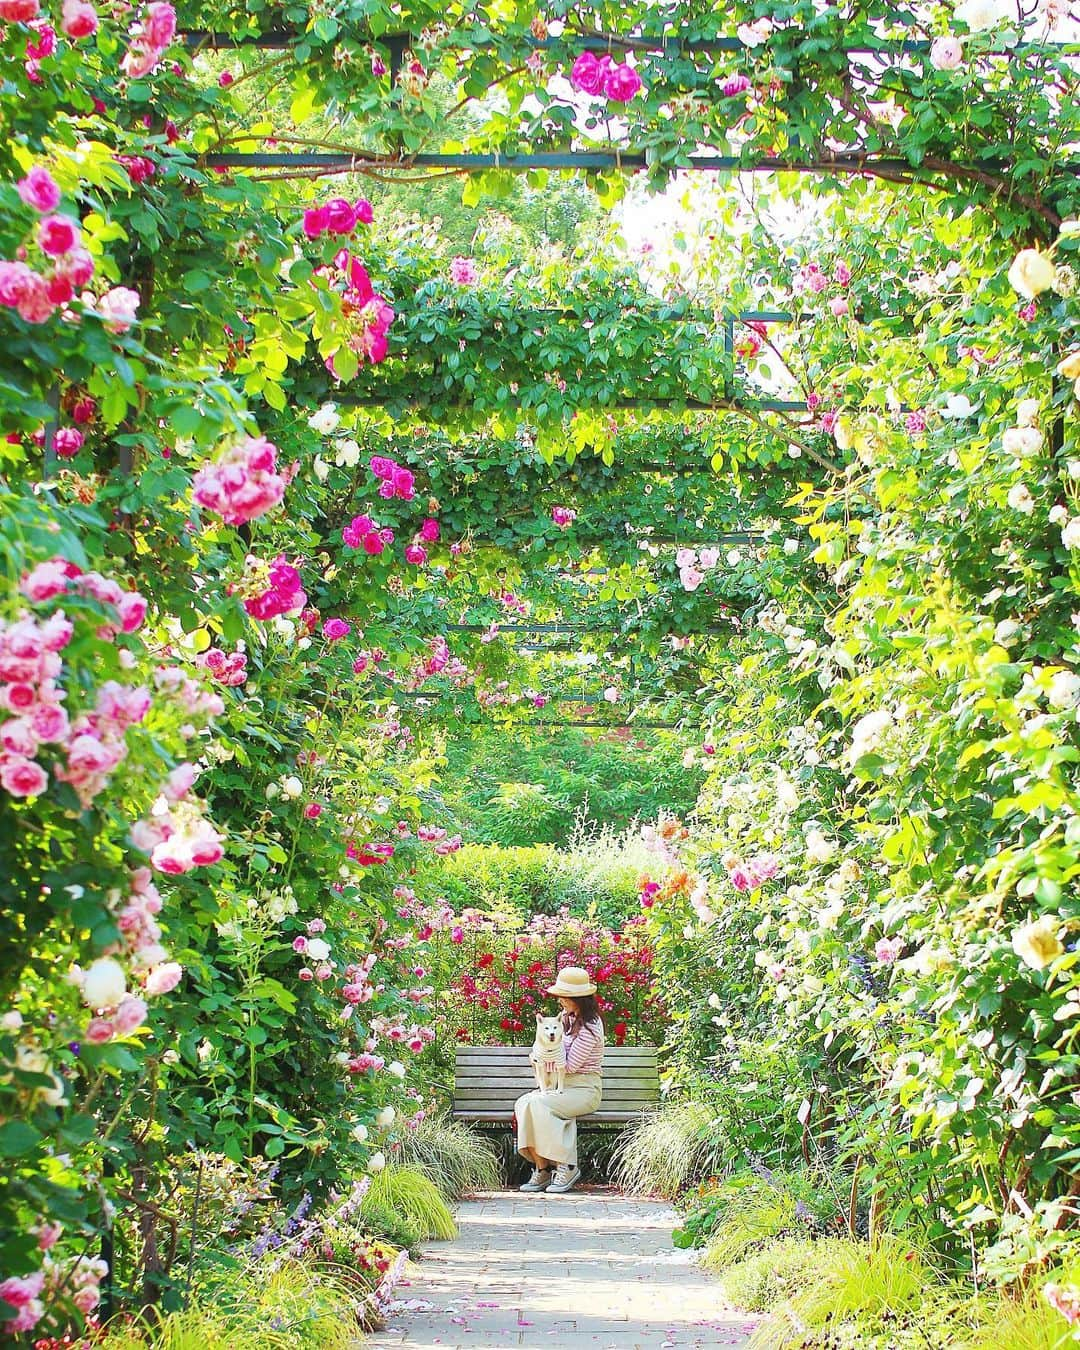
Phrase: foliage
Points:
(415, 1197)
(493, 973)
(539, 787)
(459, 1160)
(667, 1151)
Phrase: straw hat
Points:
(573, 982)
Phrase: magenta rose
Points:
(39, 190)
(587, 74)
(621, 83)
(340, 216)
(336, 629)
(58, 234)
(316, 221)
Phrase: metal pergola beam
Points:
(275, 39)
(592, 161)
(697, 405)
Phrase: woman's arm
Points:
(582, 1048)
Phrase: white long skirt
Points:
(548, 1124)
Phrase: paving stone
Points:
(589, 1270)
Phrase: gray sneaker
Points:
(539, 1181)
(566, 1175)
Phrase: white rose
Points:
(1023, 441)
(348, 455)
(360, 1133)
(1064, 691)
(104, 984)
(611, 694)
(1031, 272)
(1070, 535)
(958, 406)
(1072, 468)
(1020, 499)
(1037, 943)
(1069, 229)
(386, 1118)
(322, 469)
(376, 1162)
(11, 1021)
(714, 1001)
(396, 1068)
(981, 14)
(1008, 630)
(1027, 412)
(1058, 514)
(317, 949)
(291, 786)
(325, 420)
(791, 546)
(818, 848)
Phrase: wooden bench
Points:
(488, 1080)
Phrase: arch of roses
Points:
(225, 597)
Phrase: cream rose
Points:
(1037, 943)
(1032, 273)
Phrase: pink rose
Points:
(67, 442)
(159, 25)
(839, 306)
(164, 978)
(741, 879)
(19, 11)
(98, 1031)
(49, 722)
(946, 53)
(35, 305)
(23, 777)
(364, 213)
(180, 782)
(38, 189)
(463, 272)
(429, 531)
(312, 811)
(416, 555)
(48, 579)
(49, 1235)
(17, 737)
(129, 1016)
(79, 19)
(117, 308)
(57, 234)
(18, 1290)
(132, 611)
(336, 629)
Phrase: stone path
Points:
(589, 1270)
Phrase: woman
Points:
(547, 1125)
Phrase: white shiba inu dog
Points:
(548, 1054)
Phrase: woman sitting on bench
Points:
(547, 1123)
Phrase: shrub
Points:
(413, 1196)
(459, 1160)
(666, 1152)
(775, 1273)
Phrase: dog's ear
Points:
(539, 1018)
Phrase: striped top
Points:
(585, 1049)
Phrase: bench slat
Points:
(508, 1053)
(481, 1074)
(597, 1118)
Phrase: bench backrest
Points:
(488, 1080)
